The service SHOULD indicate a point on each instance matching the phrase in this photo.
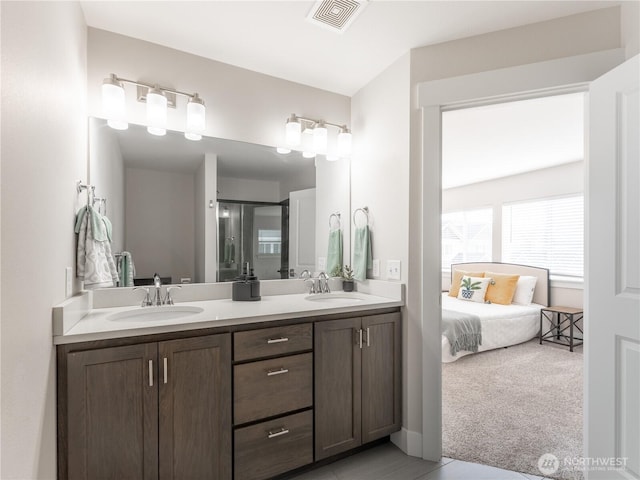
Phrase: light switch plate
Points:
(393, 269)
(322, 263)
(376, 268)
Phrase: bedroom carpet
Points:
(509, 406)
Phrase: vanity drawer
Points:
(272, 387)
(266, 342)
(273, 447)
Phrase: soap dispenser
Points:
(246, 287)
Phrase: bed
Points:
(501, 325)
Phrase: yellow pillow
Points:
(457, 278)
(501, 288)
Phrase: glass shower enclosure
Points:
(252, 232)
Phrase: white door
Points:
(302, 231)
(612, 294)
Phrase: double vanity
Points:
(211, 388)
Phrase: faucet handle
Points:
(146, 302)
(168, 300)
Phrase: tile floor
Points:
(387, 462)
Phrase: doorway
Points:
(551, 77)
(512, 193)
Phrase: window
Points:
(546, 233)
(269, 242)
(466, 237)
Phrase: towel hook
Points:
(364, 210)
(337, 217)
(91, 190)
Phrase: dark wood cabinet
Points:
(147, 411)
(195, 408)
(357, 381)
(112, 413)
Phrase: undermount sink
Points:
(334, 298)
(152, 314)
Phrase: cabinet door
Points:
(381, 376)
(112, 413)
(337, 386)
(195, 408)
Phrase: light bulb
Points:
(320, 137)
(293, 131)
(195, 118)
(156, 112)
(344, 142)
(113, 103)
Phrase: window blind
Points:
(546, 233)
(466, 236)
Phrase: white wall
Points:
(241, 104)
(248, 189)
(106, 172)
(159, 223)
(44, 152)
(630, 27)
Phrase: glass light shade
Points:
(307, 144)
(308, 154)
(332, 157)
(113, 103)
(344, 143)
(293, 132)
(195, 115)
(283, 150)
(320, 138)
(156, 112)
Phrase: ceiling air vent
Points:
(336, 14)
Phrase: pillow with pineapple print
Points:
(473, 289)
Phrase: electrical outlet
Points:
(376, 268)
(393, 269)
(68, 282)
(322, 263)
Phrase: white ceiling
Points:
(499, 140)
(274, 37)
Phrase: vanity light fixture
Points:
(297, 127)
(158, 99)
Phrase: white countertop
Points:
(98, 324)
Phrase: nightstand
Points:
(561, 319)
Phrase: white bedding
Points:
(502, 325)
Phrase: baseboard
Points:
(409, 442)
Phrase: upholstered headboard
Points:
(541, 293)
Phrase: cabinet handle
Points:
(282, 431)
(151, 373)
(280, 371)
(277, 340)
(360, 340)
(368, 338)
(165, 369)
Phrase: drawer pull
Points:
(282, 431)
(151, 373)
(279, 371)
(277, 340)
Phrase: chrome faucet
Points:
(305, 275)
(157, 284)
(323, 283)
(168, 300)
(146, 302)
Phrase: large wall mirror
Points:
(197, 211)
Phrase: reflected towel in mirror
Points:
(334, 254)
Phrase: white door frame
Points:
(538, 79)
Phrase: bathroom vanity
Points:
(252, 395)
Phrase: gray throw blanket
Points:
(463, 330)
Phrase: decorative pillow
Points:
(473, 288)
(501, 288)
(524, 290)
(457, 278)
